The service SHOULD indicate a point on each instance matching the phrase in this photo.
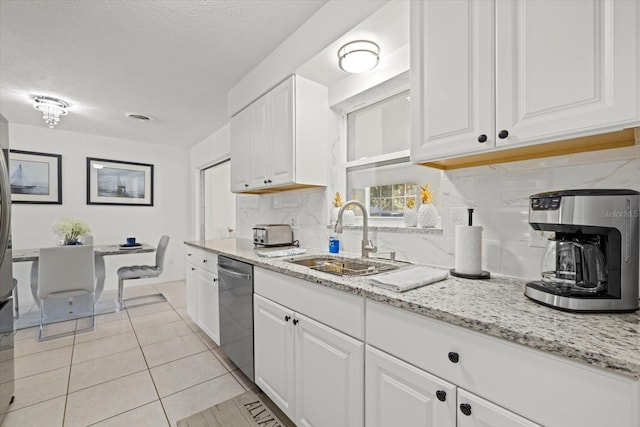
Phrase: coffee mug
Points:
(131, 240)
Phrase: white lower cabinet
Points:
(208, 317)
(202, 291)
(498, 379)
(192, 292)
(313, 372)
(477, 412)
(398, 394)
(273, 352)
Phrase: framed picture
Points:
(35, 177)
(114, 182)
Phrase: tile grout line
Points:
(166, 416)
(148, 371)
(200, 383)
(66, 396)
(74, 344)
(121, 413)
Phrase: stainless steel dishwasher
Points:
(235, 281)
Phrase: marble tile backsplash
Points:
(499, 193)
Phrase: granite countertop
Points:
(495, 307)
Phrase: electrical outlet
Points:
(294, 222)
(538, 238)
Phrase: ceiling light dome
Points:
(358, 56)
(51, 108)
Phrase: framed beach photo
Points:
(115, 182)
(35, 177)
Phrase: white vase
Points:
(410, 217)
(348, 217)
(427, 215)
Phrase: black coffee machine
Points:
(591, 263)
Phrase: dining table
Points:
(101, 251)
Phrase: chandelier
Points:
(51, 108)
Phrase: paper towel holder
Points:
(483, 275)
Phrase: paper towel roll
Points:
(468, 249)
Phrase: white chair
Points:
(143, 272)
(66, 272)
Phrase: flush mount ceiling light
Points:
(51, 108)
(358, 56)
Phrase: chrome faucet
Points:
(367, 245)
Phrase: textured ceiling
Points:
(171, 60)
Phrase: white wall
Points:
(109, 224)
(499, 192)
(211, 150)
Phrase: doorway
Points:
(218, 203)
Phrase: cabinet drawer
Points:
(477, 412)
(340, 310)
(206, 260)
(544, 388)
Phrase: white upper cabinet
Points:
(452, 78)
(564, 68)
(281, 167)
(515, 72)
(279, 142)
(241, 143)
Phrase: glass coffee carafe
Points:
(575, 265)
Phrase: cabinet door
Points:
(565, 68)
(281, 110)
(452, 78)
(192, 293)
(208, 307)
(260, 142)
(241, 150)
(329, 374)
(474, 411)
(273, 351)
(402, 395)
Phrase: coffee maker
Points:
(591, 262)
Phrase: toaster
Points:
(272, 235)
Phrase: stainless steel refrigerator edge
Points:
(6, 276)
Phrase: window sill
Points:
(397, 229)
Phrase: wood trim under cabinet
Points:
(623, 138)
(279, 189)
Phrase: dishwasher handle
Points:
(233, 273)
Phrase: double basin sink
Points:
(348, 266)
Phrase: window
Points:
(378, 169)
(390, 200)
(380, 128)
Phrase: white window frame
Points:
(371, 161)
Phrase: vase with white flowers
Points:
(427, 213)
(71, 231)
(410, 215)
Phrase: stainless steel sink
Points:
(347, 266)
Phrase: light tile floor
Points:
(145, 366)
